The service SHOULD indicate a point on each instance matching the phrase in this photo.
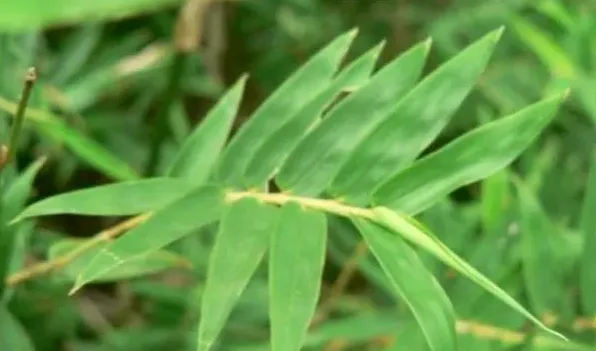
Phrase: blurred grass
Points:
(102, 84)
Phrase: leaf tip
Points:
(497, 34)
(427, 45)
(352, 33)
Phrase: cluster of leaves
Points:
(311, 161)
(338, 157)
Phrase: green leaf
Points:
(588, 258)
(196, 209)
(547, 50)
(11, 202)
(414, 123)
(414, 284)
(295, 272)
(240, 245)
(12, 334)
(87, 149)
(474, 156)
(201, 149)
(119, 199)
(423, 238)
(276, 149)
(314, 163)
(136, 267)
(540, 243)
(31, 14)
(302, 86)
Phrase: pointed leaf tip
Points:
(497, 33)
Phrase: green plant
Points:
(356, 157)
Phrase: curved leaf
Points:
(295, 272)
(201, 149)
(196, 209)
(316, 160)
(276, 149)
(119, 199)
(303, 85)
(240, 245)
(423, 238)
(414, 284)
(414, 123)
(474, 156)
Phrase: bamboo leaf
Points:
(201, 149)
(302, 86)
(240, 245)
(196, 209)
(413, 232)
(414, 284)
(276, 149)
(295, 272)
(414, 122)
(119, 199)
(137, 267)
(12, 334)
(474, 156)
(314, 163)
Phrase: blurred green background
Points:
(123, 82)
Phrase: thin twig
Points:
(61, 261)
(17, 124)
(339, 286)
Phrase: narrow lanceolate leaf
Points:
(423, 238)
(119, 199)
(472, 157)
(196, 209)
(539, 256)
(201, 149)
(276, 149)
(588, 260)
(295, 272)
(414, 123)
(137, 267)
(302, 86)
(240, 245)
(414, 284)
(316, 160)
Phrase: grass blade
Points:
(414, 123)
(31, 14)
(240, 245)
(588, 258)
(300, 87)
(295, 271)
(314, 163)
(414, 284)
(198, 208)
(474, 156)
(200, 151)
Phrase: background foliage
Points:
(122, 85)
